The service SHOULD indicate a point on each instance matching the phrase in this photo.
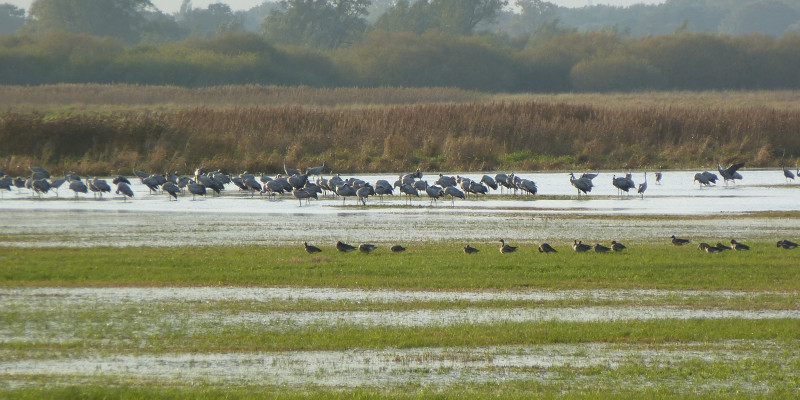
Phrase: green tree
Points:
(122, 19)
(11, 18)
(216, 18)
(533, 14)
(772, 17)
(326, 24)
(457, 17)
(460, 17)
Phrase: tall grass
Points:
(384, 130)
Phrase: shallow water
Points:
(238, 218)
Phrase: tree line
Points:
(332, 43)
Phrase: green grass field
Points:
(439, 266)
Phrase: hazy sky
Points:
(171, 6)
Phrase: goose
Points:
(599, 248)
(504, 248)
(344, 247)
(397, 248)
(786, 244)
(617, 246)
(723, 247)
(311, 249)
(470, 250)
(546, 248)
(366, 248)
(678, 241)
(739, 246)
(708, 248)
(580, 247)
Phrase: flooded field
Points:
(554, 214)
(110, 336)
(59, 317)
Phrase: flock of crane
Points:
(299, 184)
(577, 246)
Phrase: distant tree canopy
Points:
(326, 24)
(328, 43)
(122, 19)
(459, 17)
(11, 18)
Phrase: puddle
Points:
(426, 366)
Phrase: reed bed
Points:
(387, 130)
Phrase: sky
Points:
(172, 6)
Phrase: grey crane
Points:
(78, 187)
(5, 183)
(40, 186)
(346, 191)
(787, 244)
(289, 171)
(239, 182)
(99, 186)
(125, 190)
(678, 241)
(434, 192)
(617, 246)
(363, 192)
(583, 185)
(344, 247)
(502, 181)
(546, 248)
(141, 174)
(580, 247)
(367, 248)
(702, 179)
(196, 189)
(446, 181)
(316, 171)
(171, 189)
(504, 248)
(251, 184)
(470, 250)
(274, 187)
(119, 179)
(409, 191)
(659, 175)
(301, 194)
(642, 186)
(454, 192)
(739, 246)
(489, 182)
(528, 186)
(210, 183)
(383, 187)
(39, 172)
(623, 184)
(730, 173)
(788, 174)
(311, 249)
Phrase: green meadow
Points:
(436, 266)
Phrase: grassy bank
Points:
(387, 130)
(434, 266)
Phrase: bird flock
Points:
(293, 182)
(577, 246)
